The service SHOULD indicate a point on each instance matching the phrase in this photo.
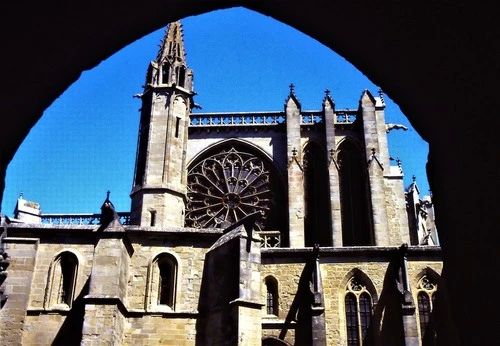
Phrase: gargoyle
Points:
(389, 127)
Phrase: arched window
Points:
(181, 76)
(356, 229)
(162, 283)
(358, 313)
(426, 297)
(61, 282)
(317, 201)
(272, 303)
(165, 72)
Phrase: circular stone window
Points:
(225, 187)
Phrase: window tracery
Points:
(358, 311)
(225, 187)
(426, 297)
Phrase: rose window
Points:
(226, 187)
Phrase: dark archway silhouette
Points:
(437, 61)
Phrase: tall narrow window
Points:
(354, 195)
(177, 126)
(165, 72)
(427, 292)
(181, 77)
(162, 283)
(68, 275)
(61, 281)
(358, 313)
(153, 218)
(317, 201)
(272, 303)
(165, 289)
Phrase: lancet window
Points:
(162, 282)
(61, 281)
(358, 311)
(426, 297)
(354, 196)
(272, 304)
(317, 216)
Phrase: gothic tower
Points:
(159, 187)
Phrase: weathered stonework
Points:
(150, 280)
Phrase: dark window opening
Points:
(272, 297)
(316, 188)
(68, 275)
(181, 76)
(166, 282)
(425, 310)
(351, 316)
(153, 218)
(177, 125)
(354, 195)
(365, 314)
(165, 73)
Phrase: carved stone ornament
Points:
(225, 187)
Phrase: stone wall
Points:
(335, 272)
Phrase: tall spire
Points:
(172, 45)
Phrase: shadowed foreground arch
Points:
(436, 61)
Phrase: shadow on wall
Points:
(71, 329)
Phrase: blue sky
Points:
(85, 143)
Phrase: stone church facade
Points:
(252, 228)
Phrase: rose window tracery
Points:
(226, 187)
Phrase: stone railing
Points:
(311, 118)
(237, 119)
(80, 219)
(270, 239)
(347, 116)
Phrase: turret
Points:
(159, 187)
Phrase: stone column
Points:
(295, 171)
(377, 161)
(333, 171)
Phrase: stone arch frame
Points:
(275, 282)
(56, 278)
(317, 216)
(402, 72)
(276, 178)
(152, 282)
(370, 288)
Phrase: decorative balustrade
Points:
(237, 119)
(311, 118)
(347, 116)
(270, 239)
(80, 219)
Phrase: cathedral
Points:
(287, 227)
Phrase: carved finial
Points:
(292, 88)
(414, 178)
(327, 92)
(107, 194)
(21, 195)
